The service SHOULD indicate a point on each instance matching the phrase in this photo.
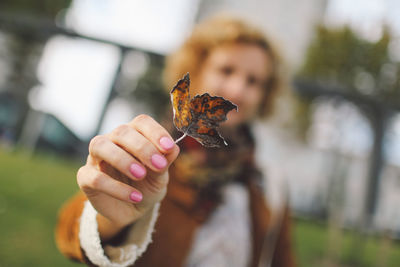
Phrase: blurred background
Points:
(71, 69)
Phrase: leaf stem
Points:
(180, 138)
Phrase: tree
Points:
(341, 58)
(341, 64)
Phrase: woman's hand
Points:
(126, 172)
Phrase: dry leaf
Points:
(199, 117)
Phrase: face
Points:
(237, 72)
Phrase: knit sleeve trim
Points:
(139, 237)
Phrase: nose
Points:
(235, 88)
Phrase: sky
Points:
(76, 74)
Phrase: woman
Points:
(143, 205)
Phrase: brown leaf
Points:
(199, 117)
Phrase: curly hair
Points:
(215, 32)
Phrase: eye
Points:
(226, 70)
(251, 80)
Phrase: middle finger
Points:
(140, 147)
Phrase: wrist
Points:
(107, 228)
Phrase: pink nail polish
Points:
(159, 161)
(166, 143)
(136, 196)
(137, 170)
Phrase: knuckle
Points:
(115, 158)
(144, 150)
(140, 119)
(83, 178)
(95, 181)
(141, 148)
(79, 175)
(121, 130)
(96, 141)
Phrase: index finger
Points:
(154, 132)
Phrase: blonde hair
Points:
(216, 32)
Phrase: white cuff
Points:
(139, 237)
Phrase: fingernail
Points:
(158, 161)
(136, 196)
(137, 170)
(166, 143)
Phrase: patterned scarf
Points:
(207, 170)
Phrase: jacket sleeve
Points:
(77, 236)
(283, 255)
(67, 229)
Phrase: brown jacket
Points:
(171, 244)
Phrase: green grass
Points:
(315, 247)
(33, 188)
(309, 242)
(31, 191)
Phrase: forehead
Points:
(250, 58)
